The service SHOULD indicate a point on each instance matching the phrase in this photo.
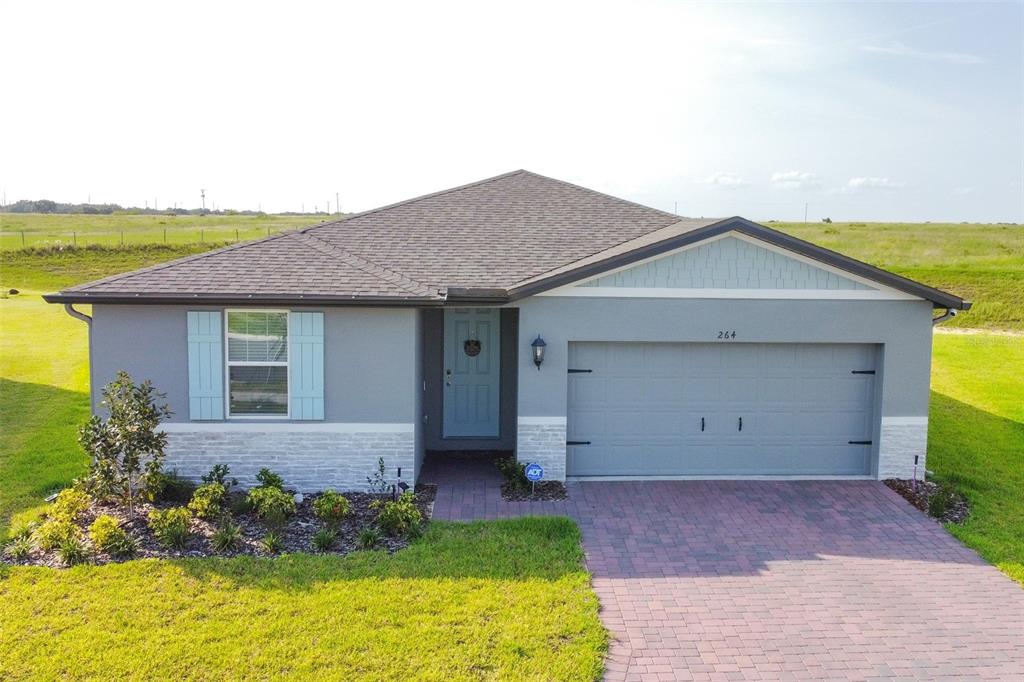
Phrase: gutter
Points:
(69, 298)
(948, 315)
(69, 308)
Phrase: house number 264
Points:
(726, 335)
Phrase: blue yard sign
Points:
(534, 472)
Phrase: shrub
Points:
(939, 502)
(268, 479)
(26, 531)
(70, 504)
(514, 472)
(170, 526)
(323, 539)
(127, 450)
(208, 501)
(72, 551)
(273, 505)
(106, 534)
(272, 543)
(240, 504)
(227, 537)
(397, 517)
(55, 532)
(378, 484)
(219, 474)
(18, 548)
(368, 538)
(169, 487)
(331, 507)
(126, 546)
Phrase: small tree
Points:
(127, 451)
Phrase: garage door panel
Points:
(777, 389)
(701, 390)
(643, 406)
(586, 389)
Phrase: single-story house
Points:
(597, 337)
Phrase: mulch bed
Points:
(296, 535)
(546, 491)
(918, 495)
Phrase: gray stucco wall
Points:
(433, 368)
(370, 357)
(371, 365)
(903, 328)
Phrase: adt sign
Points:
(534, 472)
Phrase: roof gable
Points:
(729, 261)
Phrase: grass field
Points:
(489, 600)
(982, 263)
(20, 230)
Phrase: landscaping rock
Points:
(920, 492)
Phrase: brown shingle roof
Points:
(493, 240)
(490, 234)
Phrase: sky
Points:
(898, 112)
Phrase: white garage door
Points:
(725, 409)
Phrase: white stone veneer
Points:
(310, 457)
(541, 440)
(902, 439)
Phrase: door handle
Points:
(702, 424)
(447, 377)
(741, 423)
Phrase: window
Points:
(257, 363)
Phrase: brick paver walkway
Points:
(753, 580)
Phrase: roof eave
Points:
(241, 299)
(939, 299)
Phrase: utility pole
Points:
(676, 209)
(202, 195)
(805, 213)
(337, 204)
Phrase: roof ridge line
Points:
(431, 195)
(608, 196)
(177, 261)
(365, 265)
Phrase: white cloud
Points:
(898, 49)
(963, 191)
(795, 180)
(856, 184)
(724, 179)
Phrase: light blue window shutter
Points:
(205, 365)
(306, 365)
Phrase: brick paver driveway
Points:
(772, 580)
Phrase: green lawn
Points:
(18, 230)
(489, 600)
(976, 439)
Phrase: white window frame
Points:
(228, 364)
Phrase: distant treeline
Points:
(47, 206)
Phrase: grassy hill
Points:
(18, 230)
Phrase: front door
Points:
(472, 371)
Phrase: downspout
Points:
(949, 314)
(69, 308)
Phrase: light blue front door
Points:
(472, 372)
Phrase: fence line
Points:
(22, 239)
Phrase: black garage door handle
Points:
(577, 442)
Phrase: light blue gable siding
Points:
(205, 365)
(306, 363)
(727, 263)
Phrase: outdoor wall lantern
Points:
(538, 347)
